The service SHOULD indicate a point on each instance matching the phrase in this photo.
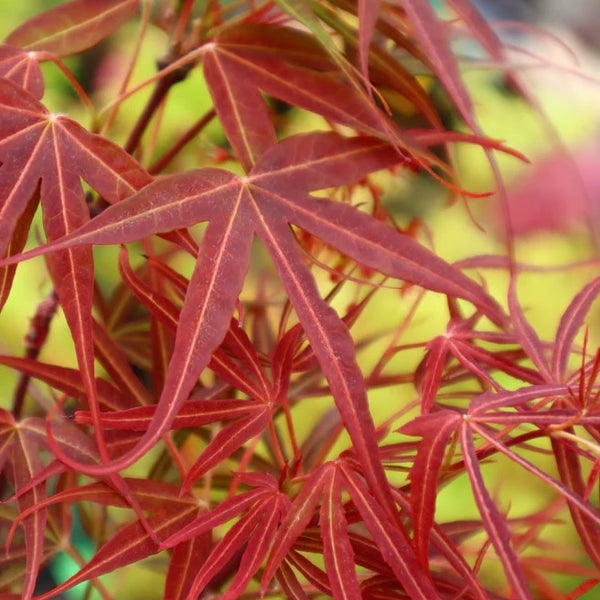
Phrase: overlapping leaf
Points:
(131, 543)
(265, 203)
(242, 62)
(53, 152)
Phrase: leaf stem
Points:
(161, 90)
(161, 163)
(34, 341)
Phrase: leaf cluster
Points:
(192, 404)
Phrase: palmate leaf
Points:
(261, 509)
(264, 203)
(170, 512)
(52, 153)
(37, 146)
(390, 549)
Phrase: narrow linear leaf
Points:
(296, 520)
(493, 521)
(319, 160)
(241, 109)
(570, 323)
(368, 11)
(289, 582)
(66, 380)
(569, 468)
(240, 345)
(224, 512)
(25, 464)
(435, 430)
(15, 245)
(490, 401)
(7, 431)
(556, 417)
(433, 369)
(183, 565)
(526, 335)
(447, 547)
(168, 315)
(257, 548)
(503, 362)
(379, 246)
(487, 37)
(572, 497)
(429, 31)
(390, 539)
(193, 413)
(227, 441)
(71, 439)
(283, 362)
(313, 574)
(332, 95)
(227, 547)
(129, 544)
(337, 550)
(113, 359)
(333, 347)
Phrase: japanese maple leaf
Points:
(250, 417)
(264, 203)
(169, 512)
(245, 59)
(263, 505)
(325, 485)
(50, 153)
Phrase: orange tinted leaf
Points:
(183, 565)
